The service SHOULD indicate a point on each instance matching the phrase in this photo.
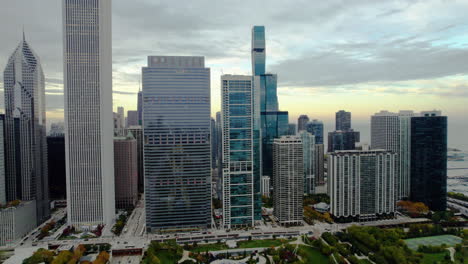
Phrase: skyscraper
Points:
(89, 145)
(121, 116)
(258, 50)
(342, 140)
(429, 160)
(2, 161)
(140, 108)
(176, 130)
(126, 171)
(292, 129)
(132, 118)
(302, 122)
(288, 172)
(315, 127)
(342, 120)
(390, 131)
(361, 183)
(214, 150)
(25, 130)
(308, 147)
(319, 166)
(56, 163)
(137, 133)
(239, 191)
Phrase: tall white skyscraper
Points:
(88, 112)
(25, 130)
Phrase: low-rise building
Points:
(16, 221)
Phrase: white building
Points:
(88, 112)
(17, 221)
(361, 183)
(288, 173)
(25, 130)
(391, 131)
(266, 186)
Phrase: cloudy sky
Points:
(357, 55)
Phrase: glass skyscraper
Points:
(239, 183)
(315, 127)
(176, 144)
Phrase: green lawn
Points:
(312, 255)
(210, 247)
(433, 257)
(262, 243)
(449, 240)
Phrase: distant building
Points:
(126, 172)
(319, 166)
(342, 120)
(429, 160)
(266, 186)
(288, 172)
(132, 118)
(219, 146)
(308, 146)
(17, 221)
(315, 127)
(302, 123)
(176, 129)
(57, 171)
(137, 133)
(25, 130)
(361, 184)
(214, 150)
(292, 129)
(57, 129)
(121, 114)
(140, 108)
(342, 140)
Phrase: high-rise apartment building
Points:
(319, 165)
(429, 160)
(315, 127)
(308, 147)
(288, 172)
(176, 130)
(342, 120)
(361, 183)
(126, 171)
(132, 118)
(89, 149)
(302, 123)
(239, 192)
(25, 130)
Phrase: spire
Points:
(24, 37)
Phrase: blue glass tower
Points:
(258, 50)
(315, 127)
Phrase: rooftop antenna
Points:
(139, 84)
(24, 37)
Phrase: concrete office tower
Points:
(238, 151)
(266, 186)
(315, 127)
(288, 172)
(25, 130)
(308, 147)
(342, 120)
(16, 221)
(126, 171)
(319, 165)
(57, 171)
(89, 144)
(302, 123)
(292, 129)
(361, 184)
(137, 133)
(132, 118)
(177, 154)
(2, 161)
(429, 160)
(343, 140)
(390, 131)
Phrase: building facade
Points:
(429, 160)
(137, 133)
(288, 172)
(342, 120)
(57, 171)
(176, 146)
(361, 184)
(126, 172)
(319, 165)
(132, 118)
(89, 145)
(302, 123)
(266, 186)
(308, 147)
(292, 129)
(237, 108)
(3, 195)
(342, 140)
(315, 127)
(17, 221)
(25, 130)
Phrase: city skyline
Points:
(437, 85)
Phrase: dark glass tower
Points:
(56, 163)
(342, 140)
(315, 127)
(343, 120)
(429, 160)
